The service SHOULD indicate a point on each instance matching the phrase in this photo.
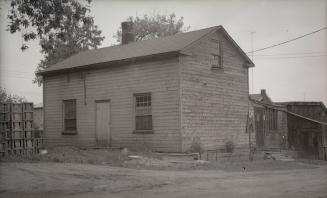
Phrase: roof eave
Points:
(100, 64)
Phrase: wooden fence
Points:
(17, 136)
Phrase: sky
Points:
(296, 71)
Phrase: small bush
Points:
(230, 146)
(196, 145)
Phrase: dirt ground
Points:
(51, 179)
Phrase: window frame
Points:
(147, 112)
(65, 130)
(218, 52)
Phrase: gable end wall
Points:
(214, 101)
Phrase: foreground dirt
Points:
(49, 179)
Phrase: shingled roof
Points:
(163, 45)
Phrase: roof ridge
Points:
(140, 41)
(159, 38)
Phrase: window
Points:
(70, 116)
(143, 113)
(216, 56)
(215, 61)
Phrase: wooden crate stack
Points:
(4, 128)
(29, 142)
(16, 130)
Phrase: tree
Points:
(154, 26)
(63, 27)
(6, 97)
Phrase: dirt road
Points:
(84, 180)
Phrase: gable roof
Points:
(163, 45)
(261, 97)
(257, 97)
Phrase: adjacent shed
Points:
(304, 134)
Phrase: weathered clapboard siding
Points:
(214, 102)
(117, 83)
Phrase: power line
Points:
(295, 53)
(15, 71)
(8, 76)
(286, 57)
(287, 41)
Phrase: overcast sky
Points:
(296, 71)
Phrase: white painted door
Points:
(103, 123)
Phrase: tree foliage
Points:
(63, 27)
(154, 26)
(6, 97)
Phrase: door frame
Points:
(95, 123)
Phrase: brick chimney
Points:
(127, 35)
(263, 92)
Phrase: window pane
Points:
(70, 115)
(143, 114)
(70, 124)
(215, 60)
(144, 122)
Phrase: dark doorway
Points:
(259, 116)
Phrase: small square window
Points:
(216, 61)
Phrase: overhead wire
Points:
(290, 40)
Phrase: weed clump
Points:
(230, 146)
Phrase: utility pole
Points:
(248, 129)
(252, 61)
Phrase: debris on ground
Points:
(134, 157)
(202, 162)
(268, 156)
(277, 156)
(121, 157)
(43, 152)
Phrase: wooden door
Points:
(259, 124)
(103, 123)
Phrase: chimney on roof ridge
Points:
(127, 32)
(263, 92)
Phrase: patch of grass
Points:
(73, 155)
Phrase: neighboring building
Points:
(284, 125)
(160, 93)
(305, 135)
(270, 124)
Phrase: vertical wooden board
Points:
(17, 116)
(16, 107)
(4, 117)
(28, 106)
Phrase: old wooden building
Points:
(271, 129)
(160, 93)
(290, 125)
(305, 133)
